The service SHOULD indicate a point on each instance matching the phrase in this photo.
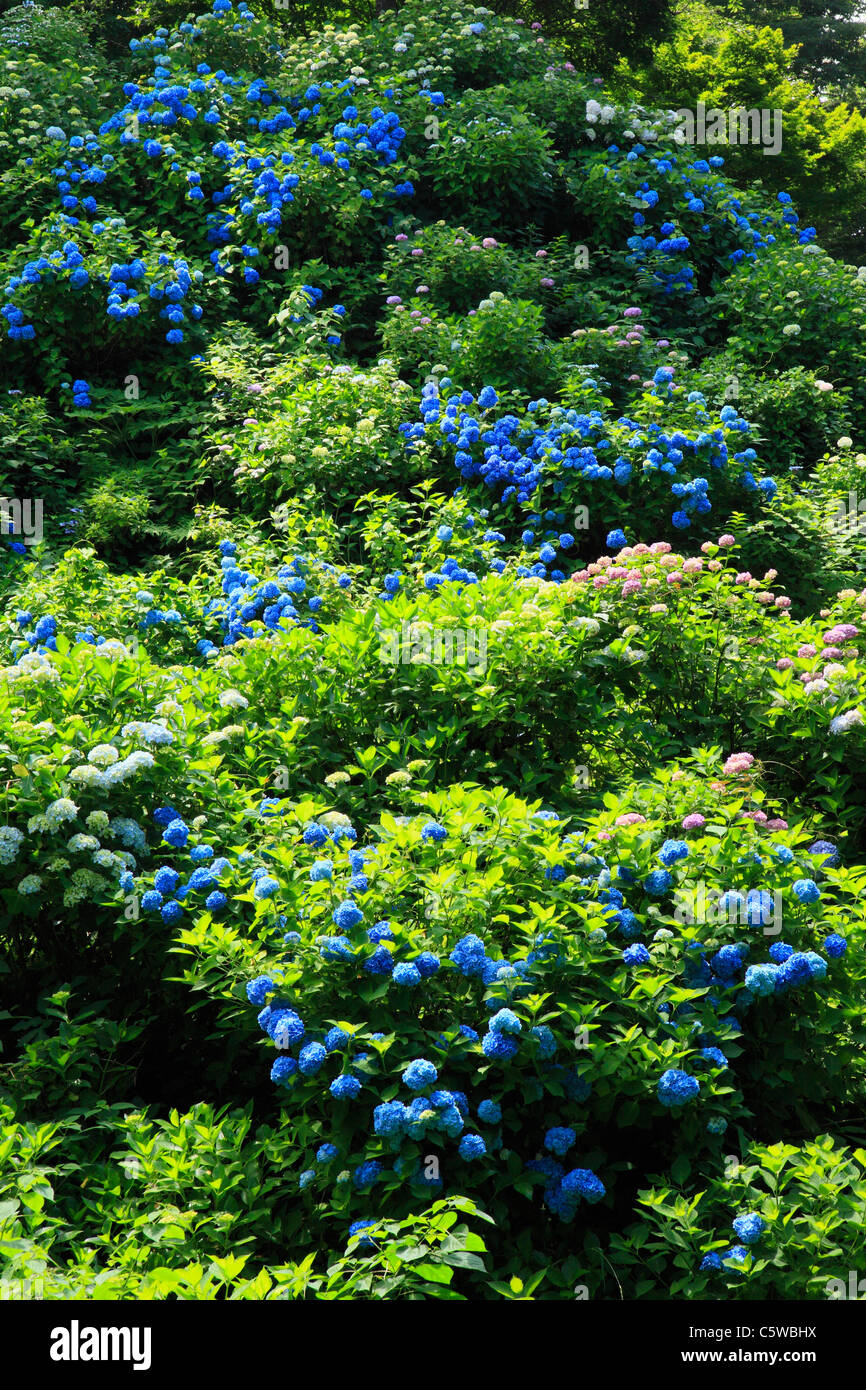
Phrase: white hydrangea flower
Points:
(233, 699)
(79, 843)
(11, 840)
(113, 650)
(88, 776)
(60, 810)
(104, 754)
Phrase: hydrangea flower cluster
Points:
(516, 458)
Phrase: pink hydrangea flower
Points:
(842, 632)
(727, 540)
(807, 650)
(832, 653)
(540, 255)
(630, 818)
(658, 607)
(632, 313)
(784, 663)
(777, 824)
(393, 299)
(783, 601)
(738, 762)
(694, 821)
(489, 242)
(693, 565)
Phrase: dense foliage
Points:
(431, 705)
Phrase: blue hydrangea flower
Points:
(490, 1112)
(469, 955)
(176, 833)
(826, 850)
(165, 880)
(807, 890)
(347, 915)
(672, 850)
(391, 1118)
(582, 1182)
(364, 1242)
(284, 1028)
(406, 974)
(345, 1087)
(283, 1070)
(657, 883)
(677, 1088)
(761, 980)
(367, 1174)
(749, 1227)
(311, 1058)
(559, 1140)
(419, 1074)
(434, 831)
(505, 1021)
(636, 955)
(259, 989)
(471, 1146)
(499, 1046)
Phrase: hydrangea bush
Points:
(431, 716)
